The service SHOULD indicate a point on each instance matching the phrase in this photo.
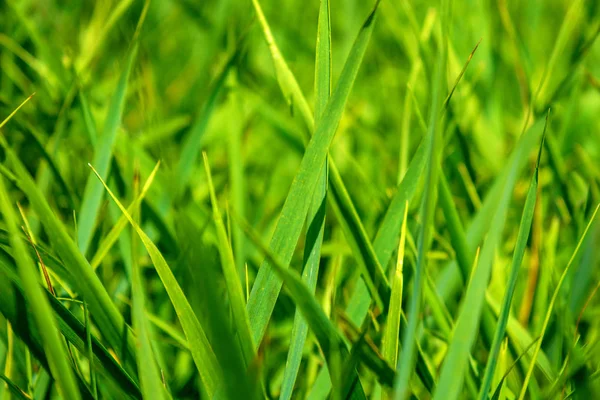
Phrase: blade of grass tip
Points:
(113, 235)
(232, 280)
(202, 353)
(316, 213)
(92, 194)
(551, 305)
(519, 252)
(287, 82)
(150, 380)
(407, 361)
(392, 329)
(267, 284)
(40, 309)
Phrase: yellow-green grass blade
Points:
(391, 334)
(267, 284)
(551, 305)
(408, 357)
(232, 281)
(287, 82)
(52, 342)
(14, 389)
(150, 378)
(113, 235)
(202, 353)
(316, 212)
(519, 252)
(93, 193)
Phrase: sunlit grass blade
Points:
(267, 284)
(53, 344)
(519, 252)
(287, 82)
(113, 235)
(204, 358)
(232, 281)
(551, 305)
(92, 195)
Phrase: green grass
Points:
(299, 199)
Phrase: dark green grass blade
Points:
(519, 252)
(202, 353)
(267, 285)
(92, 195)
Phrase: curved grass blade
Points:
(92, 195)
(232, 281)
(551, 306)
(52, 343)
(202, 353)
(519, 252)
(267, 285)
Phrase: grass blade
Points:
(267, 285)
(202, 353)
(92, 195)
(519, 252)
(316, 212)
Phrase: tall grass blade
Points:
(519, 252)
